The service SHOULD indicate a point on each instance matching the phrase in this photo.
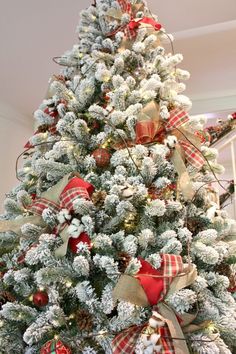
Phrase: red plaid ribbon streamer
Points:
(178, 117)
(125, 6)
(67, 198)
(166, 341)
(192, 154)
(125, 342)
(172, 266)
(41, 203)
(76, 188)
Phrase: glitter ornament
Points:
(102, 157)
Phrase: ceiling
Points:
(33, 32)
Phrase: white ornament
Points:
(63, 216)
(171, 141)
(75, 228)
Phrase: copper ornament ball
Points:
(102, 157)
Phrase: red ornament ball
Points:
(73, 242)
(55, 347)
(102, 157)
(40, 298)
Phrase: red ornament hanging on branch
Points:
(102, 157)
(40, 298)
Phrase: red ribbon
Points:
(149, 131)
(157, 286)
(134, 24)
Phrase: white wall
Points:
(15, 129)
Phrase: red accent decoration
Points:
(233, 115)
(102, 157)
(21, 258)
(73, 242)
(52, 113)
(232, 290)
(40, 298)
(55, 347)
(33, 195)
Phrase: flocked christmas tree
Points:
(113, 242)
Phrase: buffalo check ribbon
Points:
(150, 287)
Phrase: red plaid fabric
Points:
(125, 6)
(74, 189)
(172, 266)
(40, 204)
(67, 198)
(192, 155)
(166, 341)
(125, 342)
(177, 118)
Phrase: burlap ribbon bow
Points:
(150, 287)
(151, 128)
(60, 196)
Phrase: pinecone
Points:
(224, 269)
(123, 261)
(5, 297)
(84, 320)
(98, 198)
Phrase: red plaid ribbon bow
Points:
(74, 189)
(156, 288)
(130, 30)
(177, 118)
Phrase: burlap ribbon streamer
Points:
(129, 289)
